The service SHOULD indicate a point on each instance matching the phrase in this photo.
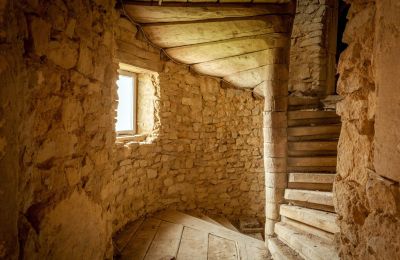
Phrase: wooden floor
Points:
(173, 235)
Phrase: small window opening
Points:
(127, 100)
(136, 89)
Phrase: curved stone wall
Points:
(205, 152)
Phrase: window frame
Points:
(134, 76)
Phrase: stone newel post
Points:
(275, 137)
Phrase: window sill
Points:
(132, 138)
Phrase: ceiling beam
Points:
(157, 14)
(231, 65)
(209, 51)
(249, 78)
(248, 3)
(179, 34)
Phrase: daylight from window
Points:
(125, 111)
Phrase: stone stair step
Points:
(307, 177)
(256, 236)
(307, 114)
(326, 236)
(280, 251)
(312, 118)
(204, 217)
(312, 161)
(311, 181)
(250, 225)
(330, 131)
(317, 218)
(313, 146)
(224, 222)
(296, 103)
(307, 245)
(310, 196)
(313, 121)
(327, 169)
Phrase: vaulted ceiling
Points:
(231, 39)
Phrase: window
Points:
(127, 99)
(136, 89)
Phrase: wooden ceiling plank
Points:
(172, 35)
(156, 14)
(248, 78)
(231, 65)
(204, 52)
(208, 3)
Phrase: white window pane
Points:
(125, 116)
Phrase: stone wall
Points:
(367, 202)
(206, 153)
(313, 48)
(58, 142)
(12, 80)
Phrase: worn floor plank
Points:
(194, 244)
(137, 247)
(220, 248)
(166, 242)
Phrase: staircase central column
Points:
(275, 136)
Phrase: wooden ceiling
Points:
(231, 39)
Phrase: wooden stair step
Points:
(306, 114)
(306, 244)
(313, 146)
(317, 218)
(312, 161)
(224, 222)
(330, 130)
(280, 251)
(310, 196)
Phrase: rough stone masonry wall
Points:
(64, 127)
(313, 48)
(76, 186)
(205, 152)
(366, 201)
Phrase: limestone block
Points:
(269, 227)
(272, 134)
(274, 119)
(272, 210)
(277, 72)
(274, 195)
(272, 164)
(276, 149)
(275, 179)
(276, 104)
(63, 54)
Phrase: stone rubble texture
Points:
(367, 204)
(67, 183)
(312, 53)
(73, 185)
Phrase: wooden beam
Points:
(156, 14)
(231, 65)
(248, 78)
(204, 52)
(211, 3)
(168, 35)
